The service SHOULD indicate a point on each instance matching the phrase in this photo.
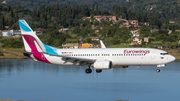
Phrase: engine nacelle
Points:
(103, 65)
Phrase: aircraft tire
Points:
(98, 70)
(88, 71)
(158, 70)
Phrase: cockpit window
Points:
(164, 53)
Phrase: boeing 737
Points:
(98, 58)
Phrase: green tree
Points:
(93, 7)
(87, 40)
(97, 6)
(115, 40)
(85, 22)
(2, 22)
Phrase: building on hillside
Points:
(154, 30)
(146, 39)
(86, 45)
(98, 17)
(96, 38)
(88, 18)
(169, 31)
(146, 23)
(134, 43)
(7, 32)
(109, 18)
(135, 33)
(63, 29)
(137, 40)
(17, 32)
(71, 45)
(128, 23)
(133, 22)
(172, 22)
(125, 23)
(96, 31)
(4, 2)
(177, 30)
(38, 32)
(79, 37)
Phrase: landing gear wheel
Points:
(98, 70)
(88, 71)
(158, 70)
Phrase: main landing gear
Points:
(98, 70)
(89, 70)
(158, 70)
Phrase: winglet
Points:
(102, 44)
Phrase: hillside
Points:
(135, 5)
(106, 4)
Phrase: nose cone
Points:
(172, 58)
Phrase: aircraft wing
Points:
(75, 60)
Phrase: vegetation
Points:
(50, 18)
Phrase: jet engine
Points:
(99, 65)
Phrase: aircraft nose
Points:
(172, 58)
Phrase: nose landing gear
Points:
(158, 70)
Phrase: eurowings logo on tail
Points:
(31, 42)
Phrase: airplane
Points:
(98, 58)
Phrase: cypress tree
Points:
(2, 22)
(93, 7)
(97, 6)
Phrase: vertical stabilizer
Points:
(30, 40)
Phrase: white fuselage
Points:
(118, 56)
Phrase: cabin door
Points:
(153, 56)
